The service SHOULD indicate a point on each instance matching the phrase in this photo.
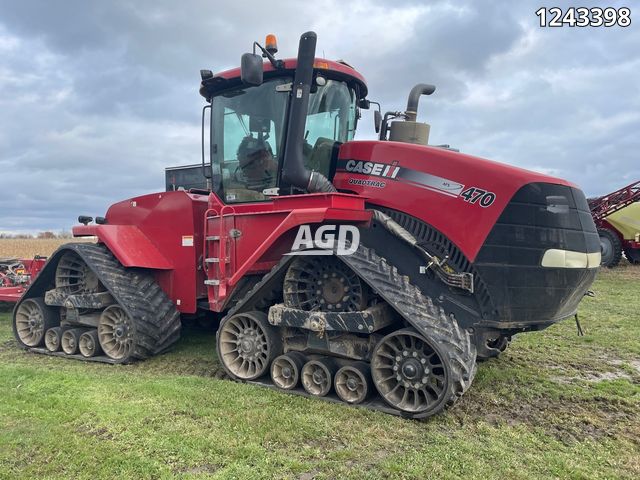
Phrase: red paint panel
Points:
(128, 244)
(148, 231)
(291, 64)
(11, 294)
(271, 228)
(466, 224)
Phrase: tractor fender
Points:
(129, 245)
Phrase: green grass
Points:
(553, 405)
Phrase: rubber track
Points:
(156, 320)
(420, 312)
(415, 307)
(429, 237)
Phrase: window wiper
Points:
(244, 127)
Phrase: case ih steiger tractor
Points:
(441, 257)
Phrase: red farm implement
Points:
(16, 275)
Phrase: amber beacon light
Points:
(271, 44)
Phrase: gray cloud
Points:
(98, 97)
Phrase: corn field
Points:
(29, 247)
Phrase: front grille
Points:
(540, 216)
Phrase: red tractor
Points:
(371, 272)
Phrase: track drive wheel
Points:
(31, 320)
(610, 248)
(247, 345)
(633, 255)
(323, 283)
(412, 373)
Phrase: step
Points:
(211, 238)
(212, 282)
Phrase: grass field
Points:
(554, 405)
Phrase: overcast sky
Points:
(97, 97)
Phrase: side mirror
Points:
(251, 69)
(377, 120)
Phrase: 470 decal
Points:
(478, 195)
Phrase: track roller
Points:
(247, 345)
(53, 338)
(89, 344)
(71, 340)
(317, 376)
(353, 383)
(32, 319)
(285, 370)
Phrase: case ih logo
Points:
(415, 178)
(341, 239)
(371, 168)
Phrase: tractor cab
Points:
(250, 142)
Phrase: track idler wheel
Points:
(31, 320)
(71, 340)
(285, 370)
(410, 373)
(317, 376)
(53, 339)
(89, 344)
(247, 345)
(116, 333)
(353, 383)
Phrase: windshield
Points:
(248, 128)
(331, 118)
(246, 139)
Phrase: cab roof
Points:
(329, 68)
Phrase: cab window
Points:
(247, 132)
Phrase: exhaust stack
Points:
(294, 171)
(409, 130)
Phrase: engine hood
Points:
(460, 195)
